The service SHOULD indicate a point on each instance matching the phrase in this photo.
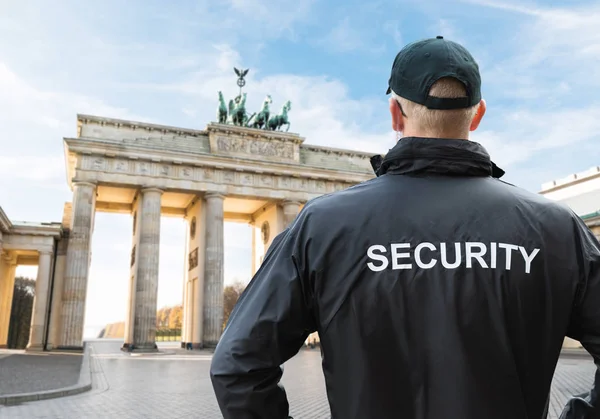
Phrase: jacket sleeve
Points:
(585, 321)
(267, 327)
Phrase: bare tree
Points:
(231, 294)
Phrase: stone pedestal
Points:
(77, 266)
(146, 278)
(40, 303)
(213, 271)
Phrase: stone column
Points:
(254, 265)
(146, 282)
(290, 211)
(133, 265)
(7, 287)
(56, 303)
(77, 266)
(213, 271)
(40, 302)
(194, 285)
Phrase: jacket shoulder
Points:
(352, 194)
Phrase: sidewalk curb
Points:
(575, 353)
(84, 384)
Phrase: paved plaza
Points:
(176, 385)
(23, 372)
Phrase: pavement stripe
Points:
(162, 358)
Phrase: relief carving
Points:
(193, 228)
(265, 231)
(220, 175)
(165, 170)
(284, 182)
(143, 168)
(299, 184)
(247, 179)
(121, 166)
(266, 180)
(132, 256)
(207, 174)
(193, 259)
(228, 177)
(186, 172)
(255, 147)
(98, 163)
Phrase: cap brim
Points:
(388, 91)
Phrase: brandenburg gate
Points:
(226, 172)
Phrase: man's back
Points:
(437, 290)
(441, 295)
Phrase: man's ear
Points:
(478, 116)
(397, 118)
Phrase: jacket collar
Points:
(416, 155)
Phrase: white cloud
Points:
(555, 49)
(343, 37)
(392, 28)
(527, 132)
(270, 19)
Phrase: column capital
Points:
(84, 183)
(150, 189)
(291, 202)
(9, 258)
(216, 195)
(45, 252)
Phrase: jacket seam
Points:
(335, 313)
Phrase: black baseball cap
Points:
(420, 64)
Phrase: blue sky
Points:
(144, 60)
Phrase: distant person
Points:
(438, 291)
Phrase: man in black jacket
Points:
(438, 291)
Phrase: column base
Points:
(70, 348)
(189, 346)
(210, 345)
(130, 347)
(34, 348)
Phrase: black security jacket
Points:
(438, 291)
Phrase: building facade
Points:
(222, 173)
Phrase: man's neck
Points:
(451, 135)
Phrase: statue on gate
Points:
(277, 121)
(235, 113)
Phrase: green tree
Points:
(231, 294)
(20, 313)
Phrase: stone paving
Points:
(31, 372)
(176, 385)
